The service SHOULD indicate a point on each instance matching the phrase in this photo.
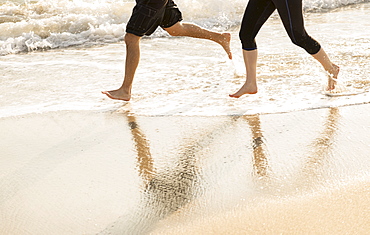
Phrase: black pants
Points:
(290, 11)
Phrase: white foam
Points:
(32, 25)
(178, 76)
(62, 23)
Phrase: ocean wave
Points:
(324, 5)
(49, 24)
(28, 25)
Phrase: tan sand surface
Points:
(304, 172)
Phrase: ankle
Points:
(333, 71)
(251, 82)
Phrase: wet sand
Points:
(344, 210)
(90, 172)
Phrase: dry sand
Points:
(305, 172)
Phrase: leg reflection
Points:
(322, 145)
(144, 158)
(163, 193)
(260, 162)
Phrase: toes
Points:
(234, 96)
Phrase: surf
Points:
(30, 25)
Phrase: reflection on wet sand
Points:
(167, 191)
(260, 162)
(144, 158)
(164, 192)
(293, 204)
(320, 148)
(170, 190)
(316, 158)
(77, 173)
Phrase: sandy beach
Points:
(69, 172)
(181, 157)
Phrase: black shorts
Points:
(147, 15)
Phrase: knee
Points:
(299, 38)
(243, 37)
(307, 43)
(131, 39)
(299, 41)
(248, 43)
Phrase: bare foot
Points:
(117, 95)
(245, 89)
(332, 78)
(225, 43)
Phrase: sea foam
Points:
(27, 25)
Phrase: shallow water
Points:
(184, 76)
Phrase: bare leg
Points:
(192, 30)
(132, 61)
(331, 68)
(250, 85)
